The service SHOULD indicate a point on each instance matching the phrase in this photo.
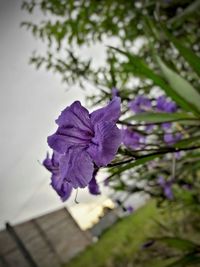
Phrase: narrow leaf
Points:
(134, 164)
(188, 141)
(160, 117)
(182, 87)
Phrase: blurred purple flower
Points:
(166, 185)
(140, 104)
(171, 138)
(85, 140)
(62, 187)
(165, 105)
(132, 139)
(168, 106)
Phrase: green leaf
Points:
(137, 66)
(160, 117)
(134, 164)
(182, 87)
(188, 141)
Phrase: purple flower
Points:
(171, 138)
(168, 106)
(165, 105)
(63, 188)
(132, 139)
(166, 186)
(93, 186)
(85, 141)
(140, 104)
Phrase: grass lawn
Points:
(120, 243)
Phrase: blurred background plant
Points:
(153, 63)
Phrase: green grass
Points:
(118, 245)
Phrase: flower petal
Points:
(109, 113)
(52, 164)
(105, 144)
(93, 185)
(65, 137)
(76, 167)
(62, 187)
(75, 116)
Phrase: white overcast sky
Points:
(30, 101)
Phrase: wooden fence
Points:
(47, 241)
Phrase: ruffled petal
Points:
(65, 137)
(76, 167)
(47, 163)
(109, 113)
(58, 142)
(62, 187)
(75, 116)
(105, 144)
(52, 164)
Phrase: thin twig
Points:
(164, 151)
